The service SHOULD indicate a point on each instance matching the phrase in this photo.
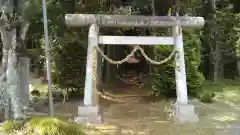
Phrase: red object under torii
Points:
(133, 60)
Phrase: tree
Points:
(13, 28)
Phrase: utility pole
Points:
(48, 59)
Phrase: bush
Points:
(12, 125)
(163, 81)
(206, 96)
(42, 126)
(163, 78)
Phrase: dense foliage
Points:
(164, 78)
(213, 51)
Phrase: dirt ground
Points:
(132, 112)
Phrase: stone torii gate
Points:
(89, 111)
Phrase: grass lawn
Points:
(227, 91)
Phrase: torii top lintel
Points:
(105, 20)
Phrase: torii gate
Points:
(89, 112)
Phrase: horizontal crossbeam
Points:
(135, 40)
(77, 20)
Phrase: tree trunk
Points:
(217, 50)
(3, 87)
(111, 72)
(13, 35)
(154, 49)
(104, 68)
(221, 68)
(162, 6)
(216, 64)
(108, 66)
(238, 66)
(13, 72)
(236, 7)
(24, 80)
(214, 45)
